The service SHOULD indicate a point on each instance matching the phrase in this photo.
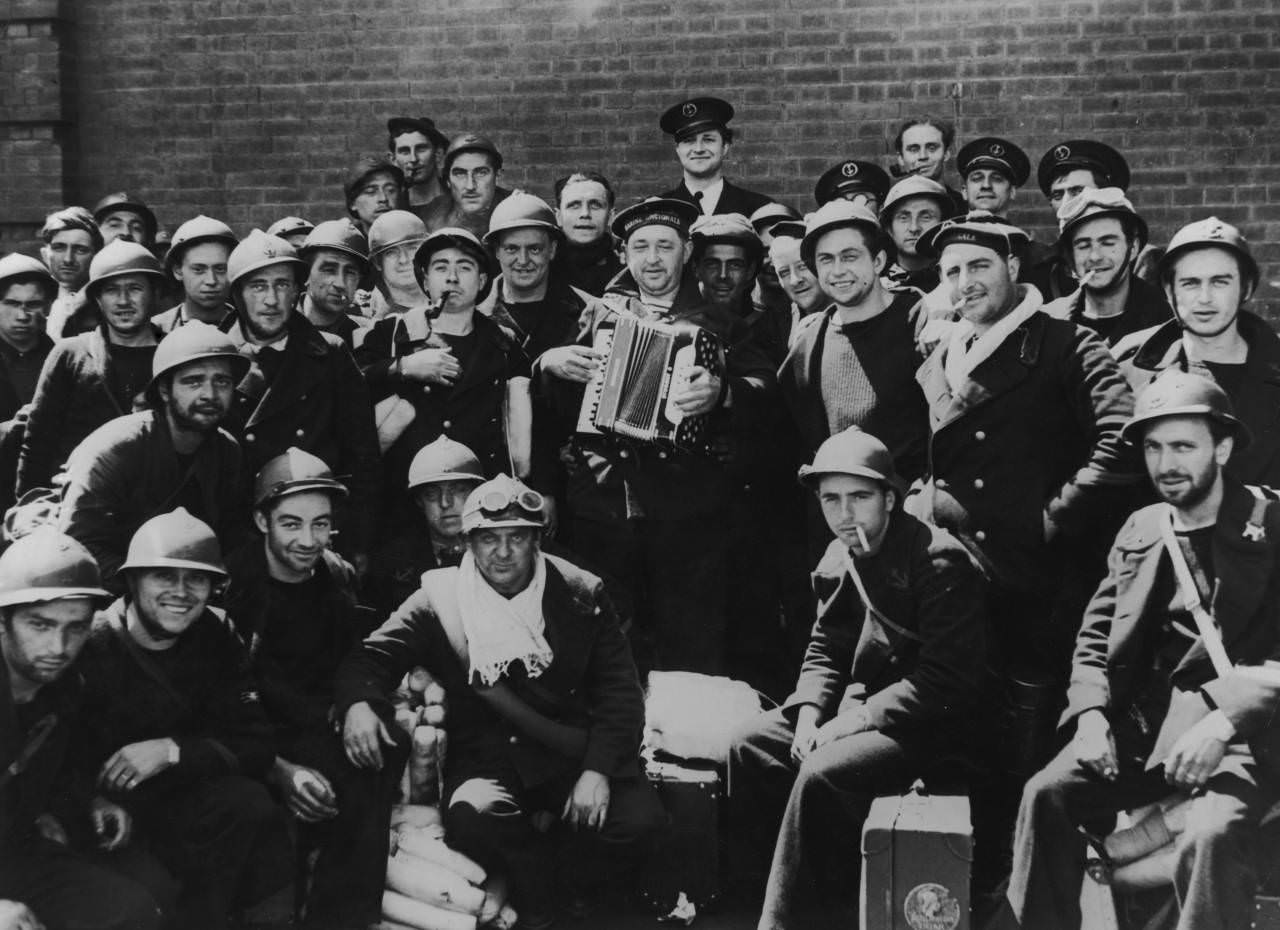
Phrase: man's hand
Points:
(1094, 746)
(845, 724)
(363, 736)
(430, 366)
(806, 733)
(111, 823)
(588, 804)
(1195, 756)
(307, 793)
(134, 764)
(14, 915)
(699, 394)
(571, 363)
(51, 828)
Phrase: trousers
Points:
(70, 891)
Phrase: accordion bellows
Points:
(643, 362)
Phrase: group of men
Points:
(255, 481)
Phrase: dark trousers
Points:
(224, 838)
(488, 819)
(815, 812)
(674, 573)
(1215, 876)
(347, 885)
(69, 891)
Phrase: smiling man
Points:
(197, 260)
(472, 167)
(923, 144)
(416, 146)
(588, 256)
(1208, 273)
(893, 669)
(99, 375)
(700, 128)
(174, 729)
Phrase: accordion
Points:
(630, 392)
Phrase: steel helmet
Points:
(501, 502)
(292, 472)
(338, 236)
(260, 250)
(914, 185)
(444, 459)
(290, 226)
(1177, 393)
(453, 237)
(393, 228)
(470, 142)
(121, 257)
(175, 540)
(852, 452)
(520, 210)
(46, 565)
(367, 166)
(199, 229)
(17, 265)
(125, 201)
(193, 342)
(1211, 233)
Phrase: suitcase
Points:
(916, 855)
(685, 858)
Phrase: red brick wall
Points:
(248, 109)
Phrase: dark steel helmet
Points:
(852, 452)
(46, 565)
(393, 228)
(121, 257)
(444, 459)
(453, 237)
(175, 540)
(292, 472)
(122, 200)
(520, 210)
(338, 236)
(16, 265)
(470, 142)
(198, 229)
(191, 343)
(260, 250)
(1177, 393)
(367, 166)
(1211, 233)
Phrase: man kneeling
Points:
(546, 710)
(894, 665)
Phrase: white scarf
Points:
(961, 361)
(502, 630)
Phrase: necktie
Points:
(697, 199)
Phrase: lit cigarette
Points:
(955, 307)
(862, 539)
(1088, 276)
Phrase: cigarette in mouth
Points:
(955, 307)
(862, 539)
(1088, 276)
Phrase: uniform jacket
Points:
(1143, 355)
(127, 472)
(298, 703)
(318, 402)
(1110, 660)
(556, 323)
(733, 199)
(591, 267)
(73, 398)
(1033, 431)
(590, 683)
(923, 581)
(207, 702)
(172, 318)
(397, 566)
(901, 421)
(1145, 307)
(612, 478)
(10, 401)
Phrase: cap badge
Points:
(996, 149)
(1217, 231)
(1062, 153)
(689, 109)
(849, 169)
(269, 251)
(1156, 402)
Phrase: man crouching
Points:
(893, 669)
(546, 710)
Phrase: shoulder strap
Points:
(1191, 598)
(872, 610)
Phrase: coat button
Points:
(447, 424)
(978, 483)
(941, 483)
(980, 536)
(980, 435)
(624, 454)
(249, 437)
(300, 433)
(514, 740)
(662, 455)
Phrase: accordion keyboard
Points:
(602, 343)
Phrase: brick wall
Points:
(248, 109)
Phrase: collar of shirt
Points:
(243, 344)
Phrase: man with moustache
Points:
(588, 256)
(173, 454)
(174, 730)
(71, 239)
(700, 128)
(1100, 238)
(853, 364)
(336, 256)
(1163, 695)
(1208, 273)
(122, 215)
(302, 387)
(197, 260)
(97, 376)
(890, 680)
(293, 602)
(373, 186)
(654, 519)
(415, 145)
(472, 167)
(912, 207)
(923, 144)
